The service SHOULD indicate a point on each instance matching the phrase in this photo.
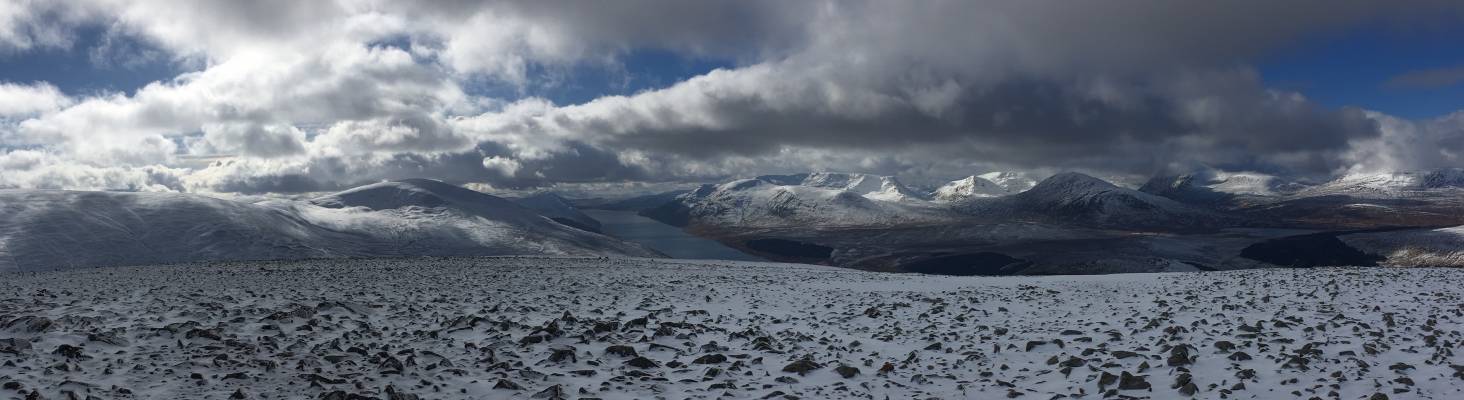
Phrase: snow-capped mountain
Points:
(1075, 198)
(1013, 182)
(813, 200)
(971, 186)
(874, 187)
(52, 229)
(454, 217)
(1213, 186)
(1389, 184)
(1367, 185)
(559, 209)
(1443, 178)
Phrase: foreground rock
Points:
(643, 329)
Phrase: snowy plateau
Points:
(626, 328)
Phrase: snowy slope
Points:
(46, 229)
(1216, 185)
(441, 218)
(1212, 186)
(971, 186)
(1078, 199)
(814, 200)
(49, 229)
(1013, 182)
(559, 209)
(643, 329)
(1443, 178)
(874, 187)
(1442, 247)
(1390, 184)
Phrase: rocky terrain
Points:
(568, 328)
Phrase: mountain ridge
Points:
(57, 229)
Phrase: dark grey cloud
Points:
(1127, 87)
(1134, 126)
(749, 29)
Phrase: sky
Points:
(281, 97)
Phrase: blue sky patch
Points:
(97, 62)
(1361, 66)
(635, 72)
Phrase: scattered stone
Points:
(621, 350)
(802, 366)
(642, 363)
(1128, 381)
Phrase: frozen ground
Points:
(636, 328)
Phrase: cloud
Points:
(250, 140)
(39, 24)
(1405, 145)
(1427, 79)
(506, 167)
(766, 109)
(42, 170)
(305, 96)
(19, 100)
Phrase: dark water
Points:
(664, 238)
(789, 248)
(1313, 250)
(985, 263)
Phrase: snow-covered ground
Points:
(640, 329)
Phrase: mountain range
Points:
(56, 229)
(823, 200)
(989, 223)
(1066, 223)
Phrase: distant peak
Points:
(844, 179)
(971, 186)
(548, 195)
(424, 183)
(1011, 181)
(1444, 178)
(1075, 179)
(400, 193)
(420, 181)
